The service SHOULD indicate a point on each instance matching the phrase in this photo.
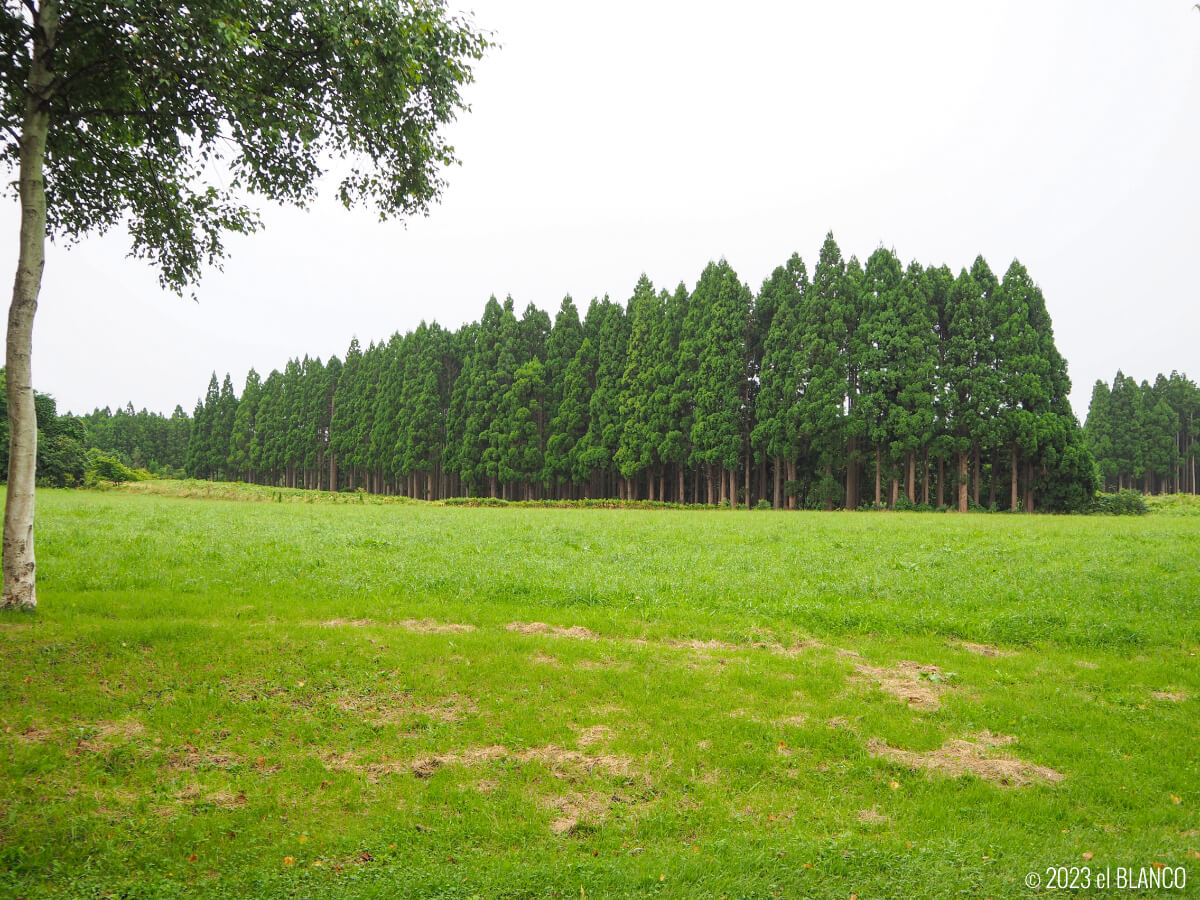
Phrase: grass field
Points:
(363, 699)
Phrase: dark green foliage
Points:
(1146, 435)
(61, 461)
(605, 328)
(1123, 503)
(719, 314)
(641, 435)
(103, 467)
(709, 396)
(140, 439)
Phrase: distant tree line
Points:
(141, 440)
(1145, 436)
(878, 384)
(70, 447)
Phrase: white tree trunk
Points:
(19, 564)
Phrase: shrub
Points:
(104, 467)
(1122, 503)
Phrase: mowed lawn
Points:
(236, 699)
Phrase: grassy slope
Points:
(180, 721)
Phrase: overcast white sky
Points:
(607, 140)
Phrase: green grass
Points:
(181, 720)
(1175, 504)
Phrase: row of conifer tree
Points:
(850, 386)
(1146, 436)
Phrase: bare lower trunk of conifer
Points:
(912, 477)
(852, 474)
(962, 481)
(878, 476)
(978, 476)
(747, 481)
(992, 481)
(925, 479)
(20, 587)
(1013, 468)
(777, 500)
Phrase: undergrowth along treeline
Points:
(860, 385)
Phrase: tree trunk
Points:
(1013, 468)
(912, 477)
(778, 497)
(978, 476)
(925, 478)
(992, 480)
(941, 476)
(852, 474)
(747, 480)
(1029, 487)
(878, 476)
(962, 481)
(791, 473)
(20, 588)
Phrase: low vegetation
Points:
(382, 699)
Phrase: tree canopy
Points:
(120, 113)
(939, 389)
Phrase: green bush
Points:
(1122, 503)
(903, 504)
(104, 467)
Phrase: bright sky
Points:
(607, 140)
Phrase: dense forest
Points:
(141, 440)
(68, 445)
(858, 385)
(1145, 436)
(61, 441)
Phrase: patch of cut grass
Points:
(407, 700)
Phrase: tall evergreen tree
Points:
(637, 452)
(605, 326)
(823, 371)
(242, 434)
(720, 311)
(783, 293)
